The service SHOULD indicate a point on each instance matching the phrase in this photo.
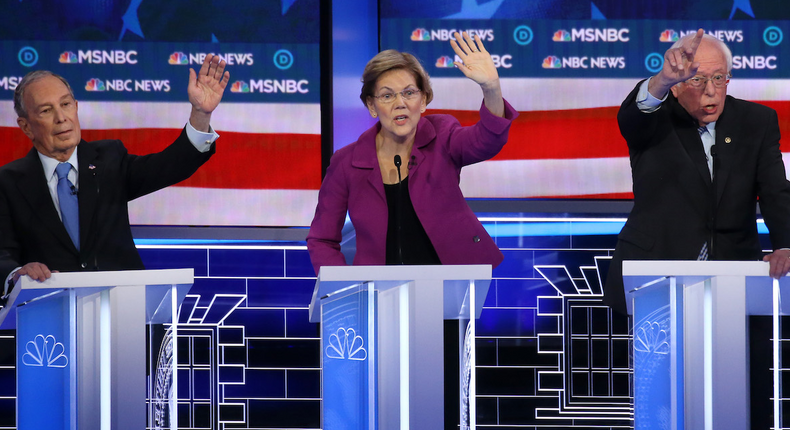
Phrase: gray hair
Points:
(721, 45)
(19, 92)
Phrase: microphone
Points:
(73, 190)
(412, 162)
(398, 163)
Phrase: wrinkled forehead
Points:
(47, 89)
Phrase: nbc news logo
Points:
(669, 36)
(178, 58)
(444, 62)
(420, 35)
(552, 62)
(240, 87)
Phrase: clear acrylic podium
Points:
(382, 349)
(691, 341)
(92, 345)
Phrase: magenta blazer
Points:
(441, 147)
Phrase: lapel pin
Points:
(727, 139)
(91, 166)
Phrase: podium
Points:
(81, 349)
(382, 343)
(691, 343)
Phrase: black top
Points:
(415, 246)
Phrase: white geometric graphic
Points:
(340, 347)
(163, 385)
(45, 352)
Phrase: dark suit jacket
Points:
(677, 207)
(31, 231)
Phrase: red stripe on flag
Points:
(562, 134)
(578, 133)
(242, 161)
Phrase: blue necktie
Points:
(703, 253)
(69, 207)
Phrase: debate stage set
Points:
(229, 326)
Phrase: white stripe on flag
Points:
(536, 178)
(230, 207)
(238, 117)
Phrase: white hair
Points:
(722, 46)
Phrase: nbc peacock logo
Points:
(178, 58)
(669, 36)
(45, 352)
(240, 87)
(420, 35)
(95, 85)
(67, 57)
(444, 62)
(552, 62)
(345, 344)
(561, 36)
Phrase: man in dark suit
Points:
(64, 206)
(695, 188)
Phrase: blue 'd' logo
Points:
(654, 62)
(522, 35)
(772, 36)
(283, 59)
(28, 56)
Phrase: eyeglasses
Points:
(407, 94)
(719, 81)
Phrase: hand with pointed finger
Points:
(679, 64)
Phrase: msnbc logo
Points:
(95, 85)
(178, 58)
(444, 62)
(552, 62)
(240, 87)
(669, 36)
(68, 57)
(561, 36)
(420, 35)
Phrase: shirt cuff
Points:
(7, 284)
(645, 101)
(201, 141)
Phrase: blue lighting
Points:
(576, 228)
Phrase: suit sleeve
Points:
(772, 185)
(152, 172)
(481, 141)
(639, 128)
(9, 245)
(323, 240)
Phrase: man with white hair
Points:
(700, 160)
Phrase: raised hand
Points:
(477, 63)
(205, 90)
(679, 65)
(478, 66)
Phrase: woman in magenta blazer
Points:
(399, 181)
